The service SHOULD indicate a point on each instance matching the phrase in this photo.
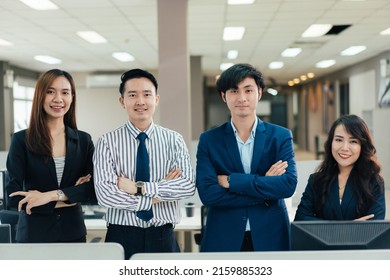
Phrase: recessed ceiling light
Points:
(240, 2)
(5, 43)
(225, 66)
(232, 54)
(47, 59)
(272, 91)
(291, 52)
(233, 33)
(276, 65)
(296, 81)
(92, 37)
(303, 77)
(40, 4)
(353, 50)
(291, 83)
(310, 75)
(316, 30)
(123, 56)
(325, 63)
(385, 32)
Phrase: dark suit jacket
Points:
(254, 196)
(332, 208)
(29, 171)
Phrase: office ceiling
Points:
(131, 25)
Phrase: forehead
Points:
(247, 82)
(60, 82)
(139, 84)
(341, 131)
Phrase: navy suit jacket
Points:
(332, 208)
(253, 196)
(29, 171)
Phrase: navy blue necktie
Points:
(142, 172)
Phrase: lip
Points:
(140, 109)
(344, 156)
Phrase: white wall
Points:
(99, 111)
(381, 135)
(362, 94)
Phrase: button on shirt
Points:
(115, 156)
(246, 152)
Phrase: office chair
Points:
(203, 219)
(10, 217)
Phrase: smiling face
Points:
(345, 148)
(242, 101)
(58, 98)
(140, 101)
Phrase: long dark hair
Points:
(38, 137)
(365, 170)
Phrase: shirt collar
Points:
(134, 131)
(253, 132)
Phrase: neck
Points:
(244, 125)
(56, 126)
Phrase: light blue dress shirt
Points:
(246, 152)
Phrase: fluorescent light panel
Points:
(5, 43)
(353, 50)
(47, 59)
(316, 30)
(92, 37)
(42, 5)
(240, 2)
(225, 66)
(233, 33)
(325, 63)
(232, 54)
(385, 32)
(276, 65)
(291, 52)
(123, 56)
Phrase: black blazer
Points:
(30, 171)
(332, 208)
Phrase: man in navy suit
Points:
(245, 169)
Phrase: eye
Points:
(50, 91)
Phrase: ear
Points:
(122, 102)
(260, 94)
(223, 96)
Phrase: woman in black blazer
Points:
(347, 184)
(50, 166)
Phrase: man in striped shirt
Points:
(170, 172)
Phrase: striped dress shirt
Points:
(115, 156)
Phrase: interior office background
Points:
(308, 109)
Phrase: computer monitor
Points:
(5, 233)
(340, 235)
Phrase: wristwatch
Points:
(60, 194)
(139, 186)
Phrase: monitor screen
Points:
(340, 235)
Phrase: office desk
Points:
(185, 230)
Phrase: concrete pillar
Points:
(173, 67)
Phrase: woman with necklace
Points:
(347, 184)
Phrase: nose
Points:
(345, 145)
(241, 96)
(57, 97)
(140, 100)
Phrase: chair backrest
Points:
(203, 220)
(11, 218)
(5, 233)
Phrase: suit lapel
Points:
(258, 148)
(52, 169)
(232, 148)
(335, 199)
(71, 149)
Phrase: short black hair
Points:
(133, 74)
(232, 76)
